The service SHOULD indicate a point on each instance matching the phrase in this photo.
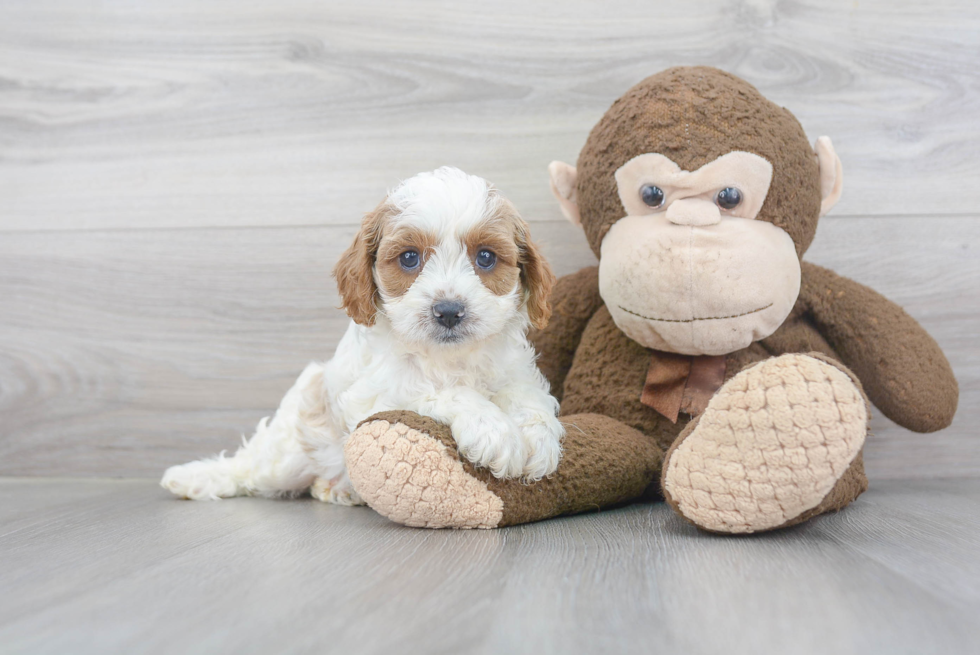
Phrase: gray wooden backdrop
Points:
(177, 179)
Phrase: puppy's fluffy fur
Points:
(439, 332)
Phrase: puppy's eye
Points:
(409, 260)
(729, 198)
(653, 196)
(486, 259)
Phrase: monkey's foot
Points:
(779, 443)
(407, 468)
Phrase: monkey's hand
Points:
(903, 370)
(574, 300)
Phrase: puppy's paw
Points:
(338, 491)
(489, 438)
(201, 480)
(542, 440)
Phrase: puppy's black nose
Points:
(448, 312)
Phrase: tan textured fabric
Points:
(698, 291)
(773, 443)
(411, 478)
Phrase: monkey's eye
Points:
(729, 198)
(486, 259)
(409, 260)
(653, 196)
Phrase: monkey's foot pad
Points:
(414, 479)
(770, 448)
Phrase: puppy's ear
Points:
(355, 269)
(536, 278)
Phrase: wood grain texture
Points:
(125, 351)
(247, 113)
(97, 566)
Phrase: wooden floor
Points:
(92, 566)
(176, 181)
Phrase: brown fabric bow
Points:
(682, 383)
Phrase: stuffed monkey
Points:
(702, 361)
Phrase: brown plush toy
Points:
(702, 359)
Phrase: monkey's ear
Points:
(563, 178)
(831, 174)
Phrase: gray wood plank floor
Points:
(95, 566)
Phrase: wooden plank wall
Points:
(177, 179)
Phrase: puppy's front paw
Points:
(542, 439)
(491, 439)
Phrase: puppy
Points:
(441, 284)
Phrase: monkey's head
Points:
(699, 197)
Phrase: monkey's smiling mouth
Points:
(692, 320)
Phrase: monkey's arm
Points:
(902, 368)
(574, 300)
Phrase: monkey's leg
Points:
(406, 467)
(778, 444)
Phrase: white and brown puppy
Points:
(442, 283)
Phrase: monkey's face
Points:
(699, 196)
(689, 269)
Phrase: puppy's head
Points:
(447, 260)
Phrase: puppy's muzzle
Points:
(448, 313)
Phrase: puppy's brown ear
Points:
(355, 269)
(536, 278)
